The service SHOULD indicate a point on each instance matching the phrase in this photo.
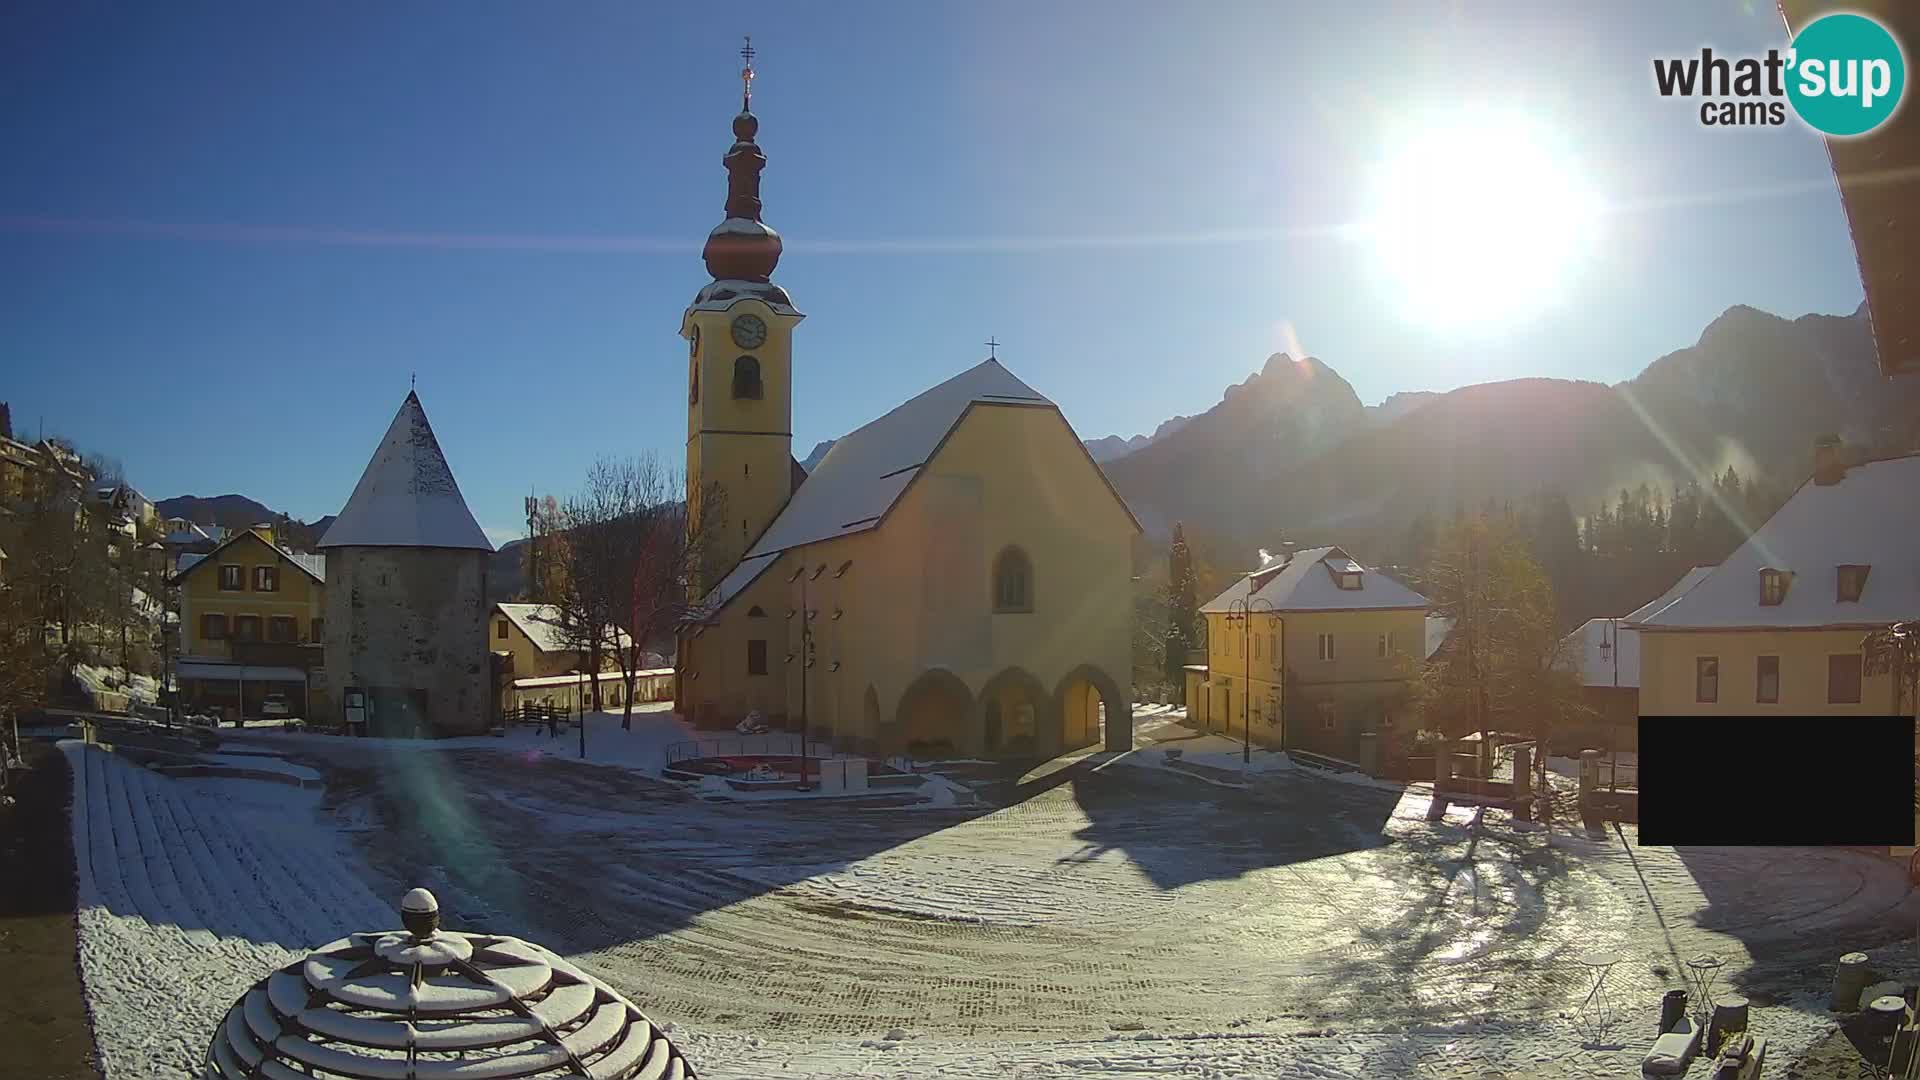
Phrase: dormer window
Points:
(1773, 587)
(1853, 582)
(1346, 573)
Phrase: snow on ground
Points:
(1112, 922)
(99, 678)
(190, 891)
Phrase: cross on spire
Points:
(746, 75)
(992, 347)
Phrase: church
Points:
(953, 578)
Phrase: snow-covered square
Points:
(1108, 915)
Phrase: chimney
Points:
(264, 531)
(1829, 460)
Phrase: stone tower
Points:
(739, 332)
(407, 591)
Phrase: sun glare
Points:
(1479, 219)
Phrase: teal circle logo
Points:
(1846, 74)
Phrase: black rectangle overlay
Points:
(1776, 781)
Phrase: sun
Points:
(1480, 218)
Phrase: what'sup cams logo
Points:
(1842, 74)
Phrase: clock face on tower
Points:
(749, 332)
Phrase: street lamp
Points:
(1242, 611)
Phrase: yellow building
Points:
(541, 667)
(953, 577)
(251, 622)
(1312, 652)
(1777, 627)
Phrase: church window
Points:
(756, 612)
(500, 629)
(693, 382)
(746, 378)
(1013, 581)
(757, 656)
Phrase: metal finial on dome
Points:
(420, 913)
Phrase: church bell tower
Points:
(739, 333)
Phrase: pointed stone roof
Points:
(407, 497)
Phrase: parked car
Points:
(274, 705)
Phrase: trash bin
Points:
(1673, 1006)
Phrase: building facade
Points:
(1778, 626)
(1313, 652)
(406, 614)
(252, 617)
(953, 577)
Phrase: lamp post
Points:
(1243, 610)
(806, 661)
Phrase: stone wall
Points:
(409, 626)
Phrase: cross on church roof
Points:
(746, 75)
(992, 345)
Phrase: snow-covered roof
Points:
(742, 575)
(311, 561)
(315, 566)
(1306, 582)
(865, 472)
(541, 624)
(1870, 518)
(726, 292)
(192, 534)
(407, 497)
(1606, 652)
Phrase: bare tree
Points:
(670, 545)
(625, 574)
(1507, 665)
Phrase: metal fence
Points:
(1613, 775)
(778, 743)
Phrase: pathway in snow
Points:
(1109, 921)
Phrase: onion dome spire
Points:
(742, 248)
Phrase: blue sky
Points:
(229, 233)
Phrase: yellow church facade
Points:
(953, 578)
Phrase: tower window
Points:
(693, 382)
(757, 656)
(746, 378)
(1012, 581)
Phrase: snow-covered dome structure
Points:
(425, 1002)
